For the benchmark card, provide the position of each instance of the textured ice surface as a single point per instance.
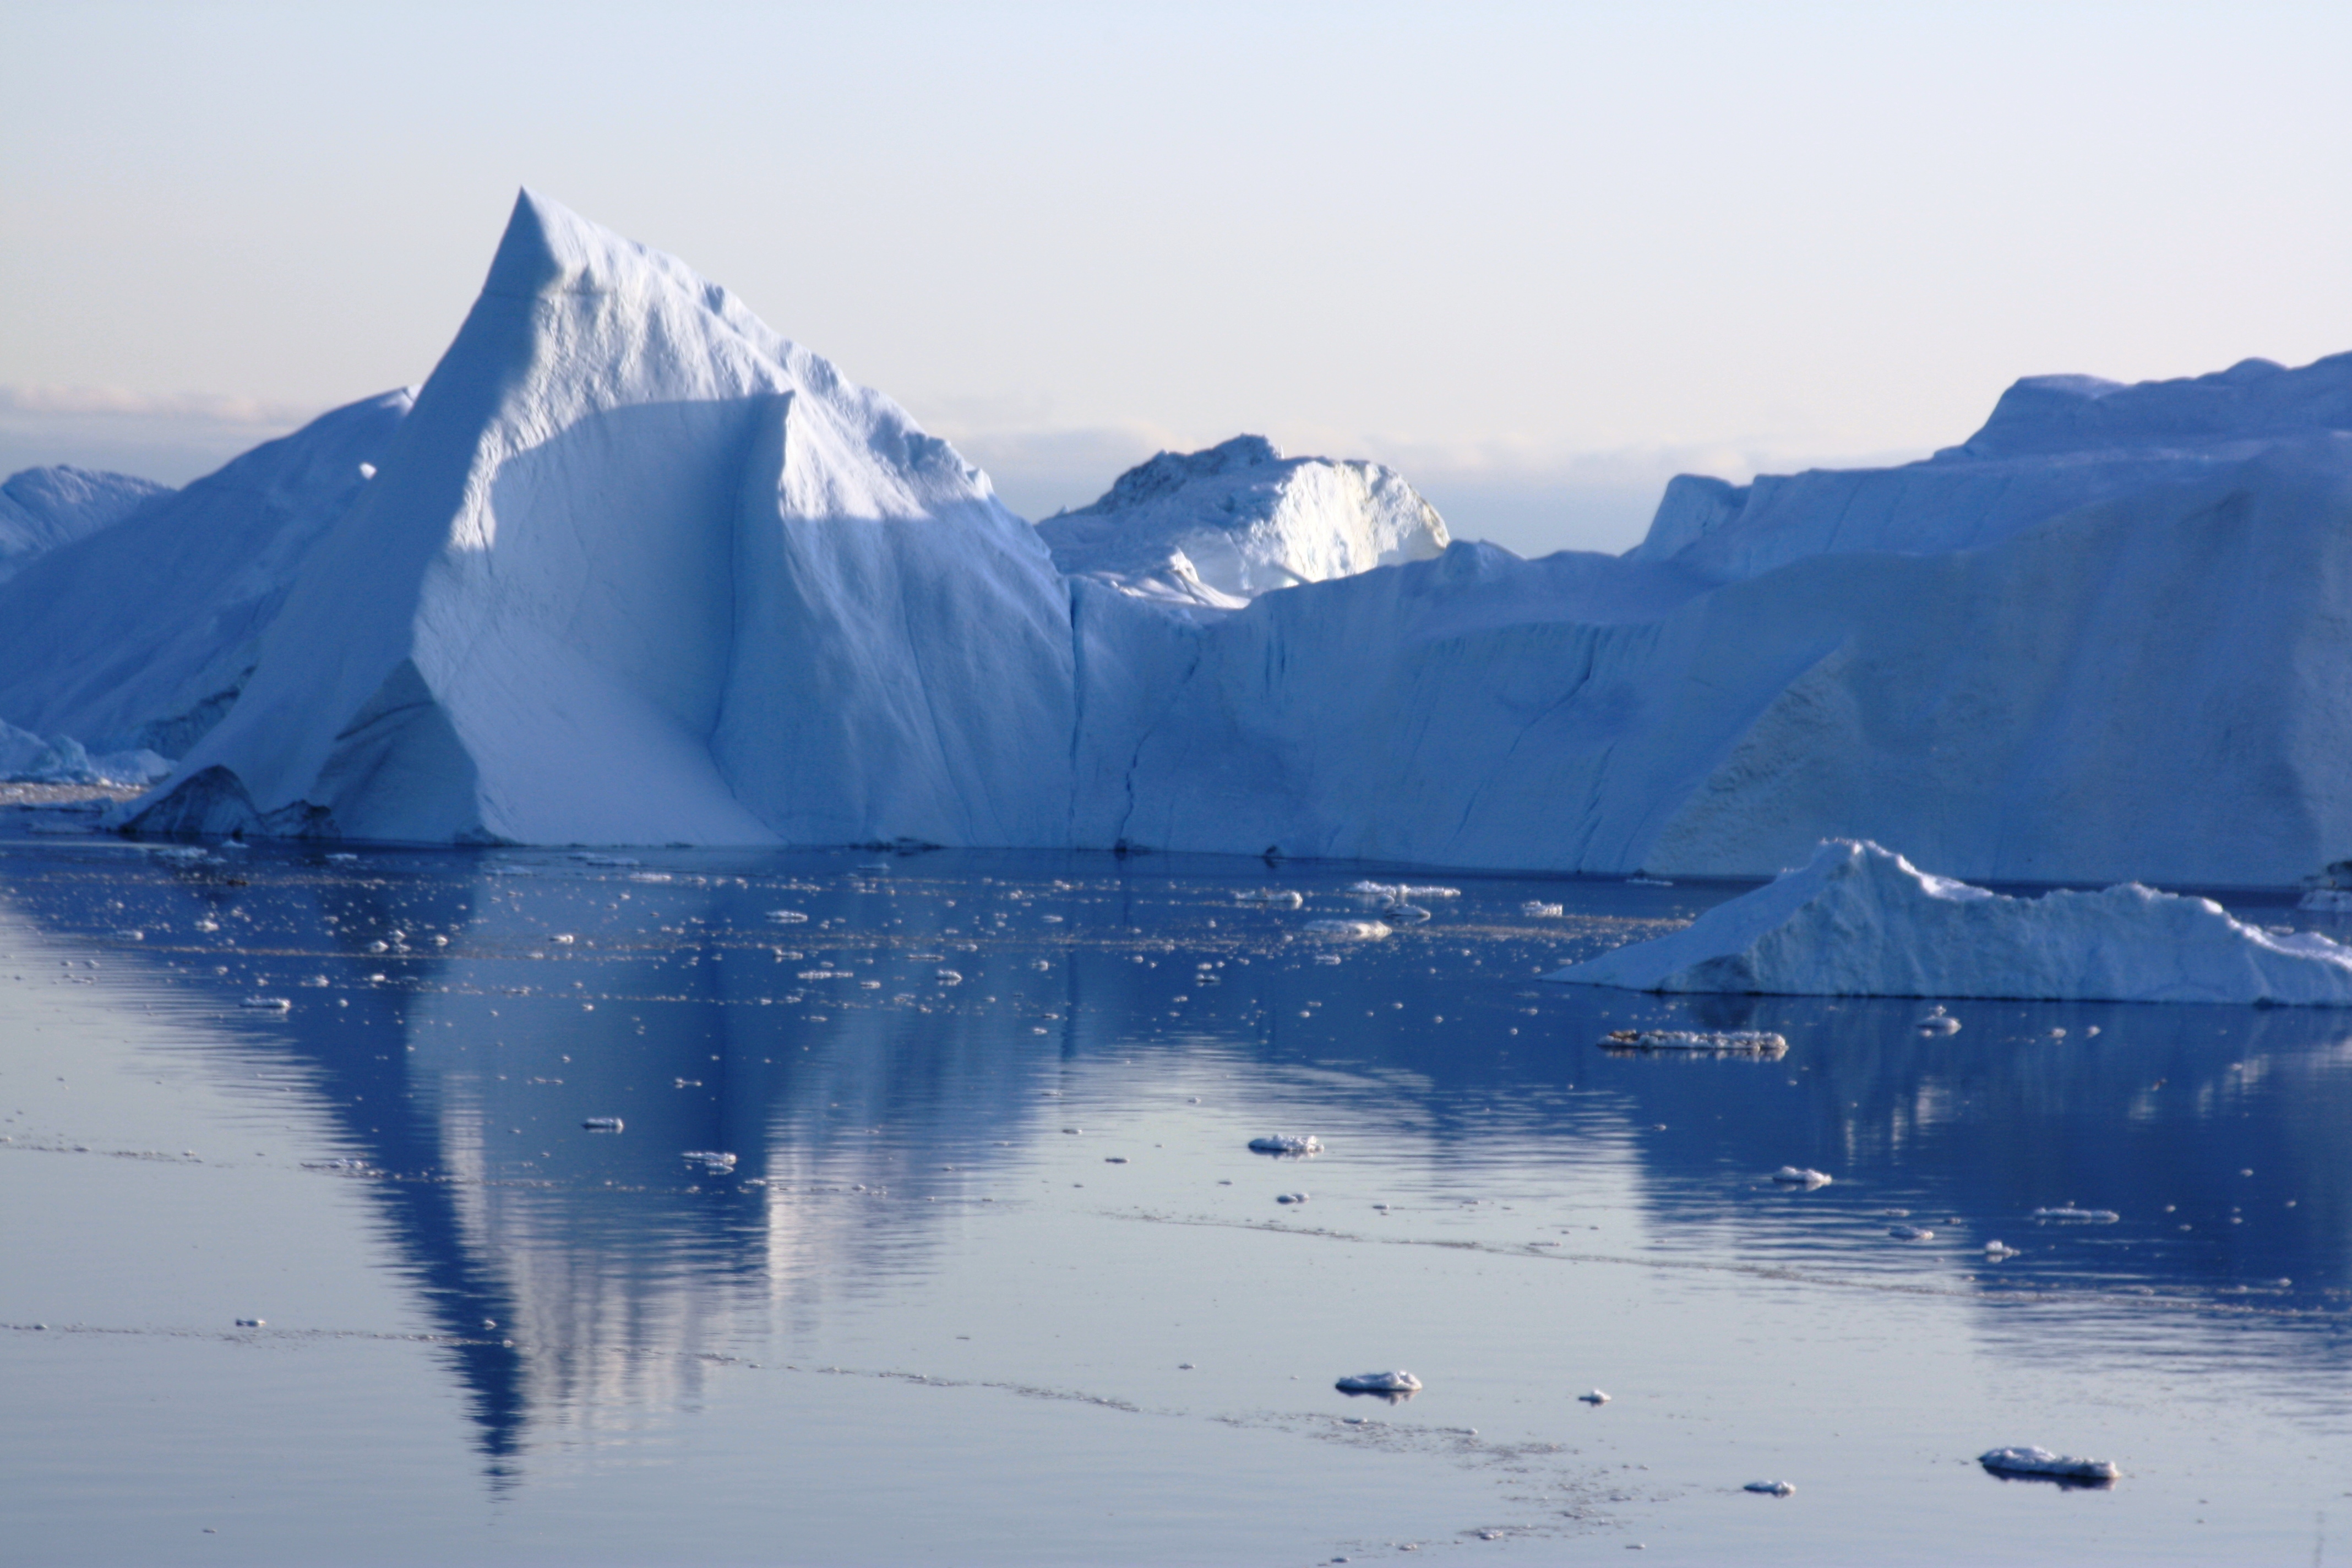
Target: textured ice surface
(1861, 921)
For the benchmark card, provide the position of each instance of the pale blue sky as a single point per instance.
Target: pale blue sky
(1536, 256)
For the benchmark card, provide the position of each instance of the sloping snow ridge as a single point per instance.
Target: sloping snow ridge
(1219, 526)
(41, 509)
(634, 570)
(142, 634)
(1862, 922)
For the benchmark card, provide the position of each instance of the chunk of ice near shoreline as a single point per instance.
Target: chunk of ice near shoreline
(1859, 920)
(629, 568)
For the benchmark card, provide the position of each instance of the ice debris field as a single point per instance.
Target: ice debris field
(630, 568)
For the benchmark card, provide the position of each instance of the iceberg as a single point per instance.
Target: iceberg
(1219, 526)
(1859, 920)
(636, 570)
(629, 568)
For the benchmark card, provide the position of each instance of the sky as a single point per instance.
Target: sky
(1538, 258)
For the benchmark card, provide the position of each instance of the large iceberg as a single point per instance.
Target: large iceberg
(634, 569)
(1219, 526)
(1859, 921)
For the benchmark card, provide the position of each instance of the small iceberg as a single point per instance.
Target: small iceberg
(1270, 898)
(1770, 1489)
(715, 1163)
(1998, 1251)
(1380, 1382)
(602, 1124)
(1285, 1143)
(1910, 1233)
(1799, 1176)
(1719, 1042)
(1937, 1022)
(267, 1003)
(1859, 920)
(2068, 1214)
(1347, 930)
(1535, 911)
(2042, 1463)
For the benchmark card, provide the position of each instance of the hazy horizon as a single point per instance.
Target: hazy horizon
(1538, 259)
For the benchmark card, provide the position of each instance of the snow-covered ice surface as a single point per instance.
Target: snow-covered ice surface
(634, 570)
(1859, 921)
(1219, 526)
(919, 1297)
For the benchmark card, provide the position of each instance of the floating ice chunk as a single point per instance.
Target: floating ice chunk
(1380, 1382)
(788, 917)
(566, 938)
(1770, 1489)
(318, 983)
(1541, 911)
(716, 1161)
(2067, 1213)
(2030, 1461)
(1801, 1176)
(1910, 1233)
(1595, 1397)
(1270, 898)
(1859, 920)
(602, 1124)
(1937, 1022)
(267, 1003)
(1285, 1143)
(1723, 1042)
(1326, 958)
(1347, 930)
(1407, 914)
(949, 977)
(1996, 1251)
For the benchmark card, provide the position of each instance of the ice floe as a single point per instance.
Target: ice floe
(1801, 1176)
(1380, 1382)
(1719, 1042)
(1347, 930)
(1861, 921)
(2035, 1462)
(1285, 1143)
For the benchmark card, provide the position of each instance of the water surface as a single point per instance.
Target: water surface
(992, 1277)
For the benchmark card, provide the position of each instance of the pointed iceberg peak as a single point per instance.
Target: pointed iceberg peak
(548, 249)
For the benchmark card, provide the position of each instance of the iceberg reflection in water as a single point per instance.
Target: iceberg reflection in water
(976, 1238)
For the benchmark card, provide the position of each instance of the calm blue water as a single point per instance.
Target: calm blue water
(992, 1277)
